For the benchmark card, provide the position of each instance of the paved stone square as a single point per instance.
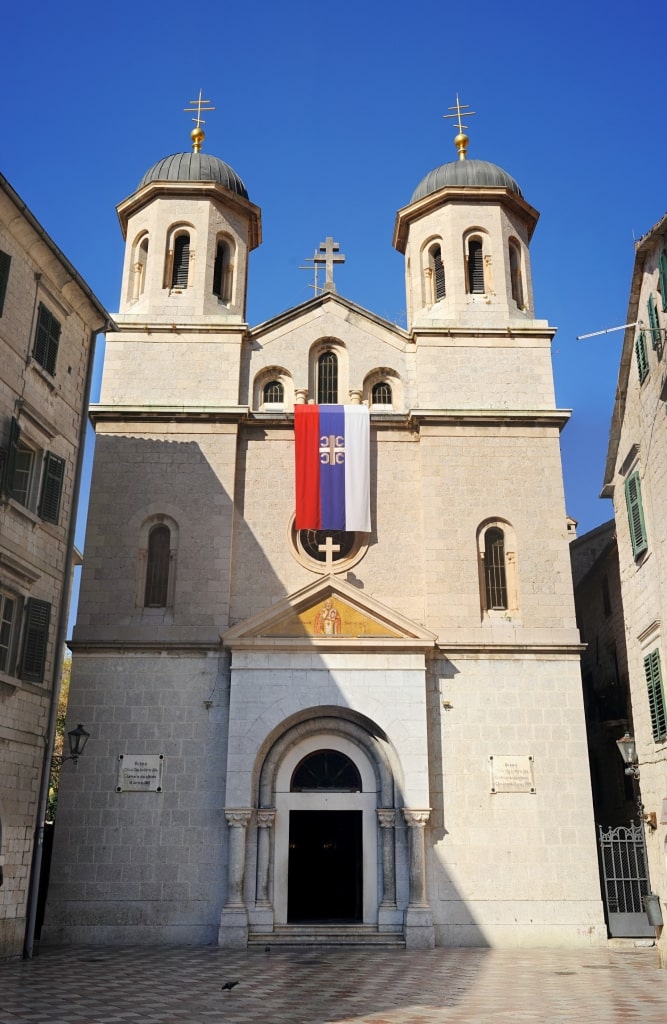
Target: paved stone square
(183, 985)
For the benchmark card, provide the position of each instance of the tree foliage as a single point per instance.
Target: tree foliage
(58, 747)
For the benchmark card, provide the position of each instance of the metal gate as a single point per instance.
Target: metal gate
(625, 880)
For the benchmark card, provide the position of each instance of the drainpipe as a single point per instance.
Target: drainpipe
(59, 647)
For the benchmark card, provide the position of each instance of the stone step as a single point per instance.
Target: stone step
(327, 935)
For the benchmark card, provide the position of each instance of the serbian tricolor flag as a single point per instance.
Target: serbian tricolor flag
(332, 444)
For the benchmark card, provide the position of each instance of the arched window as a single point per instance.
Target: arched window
(139, 268)
(381, 393)
(437, 272)
(515, 273)
(222, 272)
(326, 769)
(157, 567)
(273, 393)
(475, 267)
(495, 575)
(181, 265)
(327, 378)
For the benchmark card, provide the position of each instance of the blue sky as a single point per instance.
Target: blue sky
(332, 113)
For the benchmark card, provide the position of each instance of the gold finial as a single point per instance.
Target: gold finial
(198, 134)
(461, 140)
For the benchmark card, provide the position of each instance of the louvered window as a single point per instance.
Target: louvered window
(515, 274)
(381, 393)
(656, 695)
(438, 272)
(157, 567)
(5, 260)
(47, 339)
(35, 640)
(327, 379)
(52, 488)
(633, 497)
(641, 355)
(494, 569)
(653, 322)
(475, 267)
(662, 273)
(274, 393)
(181, 267)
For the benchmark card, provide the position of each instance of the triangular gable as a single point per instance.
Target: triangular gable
(329, 612)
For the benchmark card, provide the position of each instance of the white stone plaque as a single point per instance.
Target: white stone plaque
(512, 774)
(140, 773)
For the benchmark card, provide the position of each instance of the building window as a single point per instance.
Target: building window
(181, 261)
(52, 488)
(326, 769)
(47, 339)
(475, 267)
(662, 275)
(139, 268)
(515, 274)
(437, 268)
(22, 472)
(606, 597)
(633, 497)
(222, 272)
(35, 640)
(641, 354)
(327, 378)
(8, 622)
(653, 322)
(273, 393)
(381, 393)
(157, 567)
(5, 260)
(656, 695)
(495, 575)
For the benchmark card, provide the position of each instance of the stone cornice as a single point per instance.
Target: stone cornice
(166, 413)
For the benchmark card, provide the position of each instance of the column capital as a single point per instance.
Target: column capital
(266, 817)
(237, 817)
(416, 818)
(386, 817)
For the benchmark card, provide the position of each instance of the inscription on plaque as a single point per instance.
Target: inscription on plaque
(140, 773)
(511, 774)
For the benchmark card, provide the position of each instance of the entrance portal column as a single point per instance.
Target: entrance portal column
(234, 920)
(419, 932)
(265, 820)
(387, 822)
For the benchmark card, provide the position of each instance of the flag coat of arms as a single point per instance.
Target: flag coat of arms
(332, 448)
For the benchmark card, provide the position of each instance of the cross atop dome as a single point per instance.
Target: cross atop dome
(461, 140)
(198, 134)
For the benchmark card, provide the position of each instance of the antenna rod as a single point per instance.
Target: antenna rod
(594, 334)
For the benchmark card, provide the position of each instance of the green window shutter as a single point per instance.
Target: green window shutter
(662, 271)
(52, 488)
(653, 322)
(35, 640)
(47, 339)
(642, 357)
(656, 695)
(10, 462)
(633, 497)
(5, 260)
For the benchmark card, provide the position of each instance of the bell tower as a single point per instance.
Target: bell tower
(465, 235)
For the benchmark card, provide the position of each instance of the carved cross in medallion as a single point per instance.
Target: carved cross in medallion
(329, 549)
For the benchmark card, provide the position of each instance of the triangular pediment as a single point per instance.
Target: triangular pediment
(328, 613)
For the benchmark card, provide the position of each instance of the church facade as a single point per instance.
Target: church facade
(302, 734)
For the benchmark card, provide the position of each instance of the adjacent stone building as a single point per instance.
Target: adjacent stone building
(48, 321)
(301, 735)
(636, 479)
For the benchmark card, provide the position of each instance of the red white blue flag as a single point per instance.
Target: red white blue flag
(332, 444)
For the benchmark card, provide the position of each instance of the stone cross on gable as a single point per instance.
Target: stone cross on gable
(329, 549)
(326, 255)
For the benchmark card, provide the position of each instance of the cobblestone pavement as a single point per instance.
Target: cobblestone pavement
(183, 985)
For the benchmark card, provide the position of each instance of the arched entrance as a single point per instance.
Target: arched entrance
(325, 860)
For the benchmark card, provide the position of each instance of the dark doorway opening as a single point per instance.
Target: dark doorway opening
(325, 866)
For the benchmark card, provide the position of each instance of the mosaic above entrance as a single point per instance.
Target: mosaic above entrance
(331, 617)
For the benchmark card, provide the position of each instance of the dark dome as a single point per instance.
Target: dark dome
(465, 173)
(195, 167)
